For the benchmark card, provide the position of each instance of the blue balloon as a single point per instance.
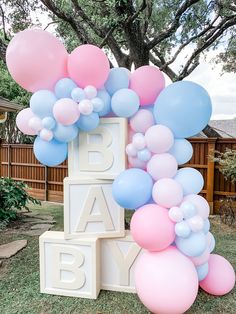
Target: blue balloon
(132, 188)
(78, 94)
(65, 133)
(206, 226)
(144, 154)
(202, 271)
(125, 103)
(118, 78)
(182, 229)
(188, 210)
(88, 123)
(48, 123)
(106, 98)
(212, 243)
(50, 153)
(190, 179)
(194, 245)
(42, 102)
(185, 107)
(182, 150)
(64, 87)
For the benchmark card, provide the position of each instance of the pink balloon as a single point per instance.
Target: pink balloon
(166, 282)
(200, 203)
(162, 166)
(65, 111)
(142, 121)
(134, 162)
(220, 279)
(202, 259)
(88, 65)
(152, 228)
(22, 121)
(159, 139)
(147, 81)
(36, 59)
(167, 193)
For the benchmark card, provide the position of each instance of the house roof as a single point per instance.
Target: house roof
(226, 128)
(8, 106)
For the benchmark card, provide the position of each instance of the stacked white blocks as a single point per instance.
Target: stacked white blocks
(94, 252)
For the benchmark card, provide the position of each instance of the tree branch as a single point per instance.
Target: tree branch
(4, 24)
(167, 70)
(3, 48)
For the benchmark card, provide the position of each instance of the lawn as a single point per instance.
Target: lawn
(19, 281)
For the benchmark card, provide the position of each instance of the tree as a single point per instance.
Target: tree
(136, 32)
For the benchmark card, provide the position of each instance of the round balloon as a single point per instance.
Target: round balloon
(36, 59)
(64, 88)
(202, 271)
(88, 65)
(105, 97)
(200, 203)
(182, 150)
(159, 139)
(220, 279)
(190, 179)
(125, 103)
(65, 111)
(88, 123)
(134, 162)
(132, 188)
(142, 121)
(166, 282)
(147, 81)
(185, 107)
(152, 228)
(201, 259)
(162, 166)
(194, 245)
(22, 121)
(51, 153)
(42, 102)
(118, 78)
(65, 133)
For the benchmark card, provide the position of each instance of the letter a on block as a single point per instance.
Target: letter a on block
(95, 196)
(96, 156)
(72, 267)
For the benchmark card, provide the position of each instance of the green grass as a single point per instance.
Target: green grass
(19, 281)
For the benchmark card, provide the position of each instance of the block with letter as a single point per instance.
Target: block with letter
(90, 210)
(118, 257)
(69, 268)
(99, 153)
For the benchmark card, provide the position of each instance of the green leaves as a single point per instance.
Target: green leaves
(227, 161)
(13, 197)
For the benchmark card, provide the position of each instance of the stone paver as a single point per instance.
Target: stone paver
(11, 248)
(41, 226)
(36, 232)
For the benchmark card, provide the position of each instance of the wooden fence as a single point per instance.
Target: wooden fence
(18, 161)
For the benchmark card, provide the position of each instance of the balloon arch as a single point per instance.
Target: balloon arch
(70, 94)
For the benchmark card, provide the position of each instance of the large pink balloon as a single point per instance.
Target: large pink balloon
(162, 166)
(152, 228)
(167, 193)
(166, 281)
(220, 279)
(22, 121)
(36, 59)
(201, 204)
(147, 81)
(88, 65)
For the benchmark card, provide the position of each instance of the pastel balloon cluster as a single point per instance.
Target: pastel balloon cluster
(171, 221)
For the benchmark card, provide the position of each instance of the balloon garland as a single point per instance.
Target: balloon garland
(70, 94)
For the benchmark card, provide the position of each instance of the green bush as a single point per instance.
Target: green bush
(13, 197)
(227, 161)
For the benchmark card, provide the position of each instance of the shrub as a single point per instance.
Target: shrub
(13, 197)
(227, 161)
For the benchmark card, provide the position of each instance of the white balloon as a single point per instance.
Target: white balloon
(139, 141)
(176, 214)
(46, 135)
(196, 223)
(85, 107)
(35, 123)
(131, 150)
(90, 91)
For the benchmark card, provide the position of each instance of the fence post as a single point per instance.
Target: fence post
(46, 183)
(9, 160)
(210, 173)
(0, 158)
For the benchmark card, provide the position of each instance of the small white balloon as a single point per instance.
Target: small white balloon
(90, 91)
(188, 209)
(98, 104)
(196, 223)
(85, 107)
(46, 135)
(131, 150)
(139, 141)
(35, 123)
(176, 214)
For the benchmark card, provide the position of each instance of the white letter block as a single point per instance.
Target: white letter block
(69, 268)
(118, 257)
(99, 153)
(90, 210)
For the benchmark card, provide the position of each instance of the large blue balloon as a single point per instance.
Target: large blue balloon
(194, 245)
(64, 87)
(190, 179)
(185, 107)
(42, 102)
(202, 271)
(182, 150)
(65, 133)
(88, 123)
(50, 153)
(125, 103)
(118, 78)
(103, 94)
(132, 188)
